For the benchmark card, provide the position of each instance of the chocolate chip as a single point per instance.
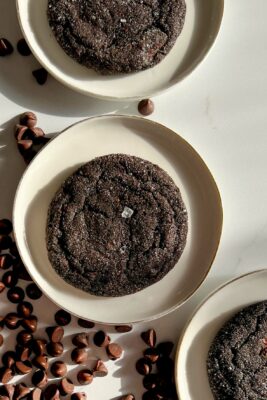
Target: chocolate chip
(6, 261)
(123, 328)
(23, 48)
(41, 362)
(23, 353)
(30, 324)
(40, 75)
(2, 287)
(1, 340)
(9, 358)
(51, 392)
(101, 339)
(151, 354)
(149, 337)
(12, 321)
(151, 381)
(127, 397)
(62, 317)
(165, 348)
(39, 346)
(5, 242)
(6, 226)
(39, 378)
(66, 387)
(33, 292)
(9, 279)
(79, 396)
(81, 340)
(85, 377)
(143, 366)
(100, 369)
(23, 367)
(6, 375)
(55, 333)
(114, 351)
(35, 394)
(24, 309)
(146, 107)
(24, 338)
(55, 349)
(79, 356)
(85, 323)
(58, 369)
(21, 390)
(6, 47)
(15, 294)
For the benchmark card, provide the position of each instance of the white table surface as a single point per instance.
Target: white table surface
(221, 109)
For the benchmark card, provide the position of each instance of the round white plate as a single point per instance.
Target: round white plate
(191, 371)
(201, 27)
(136, 136)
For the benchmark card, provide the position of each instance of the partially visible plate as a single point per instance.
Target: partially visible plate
(191, 370)
(136, 136)
(201, 27)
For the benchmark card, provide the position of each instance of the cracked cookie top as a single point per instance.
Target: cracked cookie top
(116, 226)
(237, 359)
(117, 35)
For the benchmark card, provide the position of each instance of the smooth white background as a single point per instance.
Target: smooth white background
(221, 109)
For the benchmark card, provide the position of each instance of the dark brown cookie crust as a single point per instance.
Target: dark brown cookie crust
(116, 35)
(237, 359)
(93, 246)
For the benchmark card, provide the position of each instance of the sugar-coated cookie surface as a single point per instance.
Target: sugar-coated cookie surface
(237, 359)
(116, 226)
(114, 36)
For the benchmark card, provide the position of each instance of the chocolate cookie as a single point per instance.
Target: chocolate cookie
(116, 226)
(237, 359)
(117, 35)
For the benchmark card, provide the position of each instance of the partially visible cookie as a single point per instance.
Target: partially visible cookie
(116, 35)
(116, 226)
(237, 359)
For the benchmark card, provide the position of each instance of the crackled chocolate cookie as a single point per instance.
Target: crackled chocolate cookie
(116, 226)
(117, 35)
(237, 359)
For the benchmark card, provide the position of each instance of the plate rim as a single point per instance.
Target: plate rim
(220, 209)
(152, 93)
(195, 312)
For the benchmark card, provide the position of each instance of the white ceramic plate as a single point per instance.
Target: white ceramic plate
(191, 372)
(201, 27)
(136, 136)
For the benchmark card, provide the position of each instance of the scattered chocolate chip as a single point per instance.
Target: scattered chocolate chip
(1, 340)
(62, 317)
(6, 47)
(9, 279)
(143, 366)
(39, 378)
(114, 351)
(149, 337)
(23, 48)
(30, 324)
(9, 358)
(6, 374)
(33, 292)
(2, 287)
(5, 242)
(151, 381)
(23, 353)
(79, 356)
(127, 397)
(35, 394)
(6, 226)
(85, 323)
(81, 340)
(6, 261)
(54, 349)
(41, 362)
(24, 338)
(151, 354)
(51, 392)
(15, 294)
(12, 321)
(146, 107)
(123, 328)
(100, 369)
(85, 377)
(79, 396)
(66, 387)
(58, 369)
(39, 346)
(165, 348)
(21, 390)
(24, 309)
(40, 75)
(23, 367)
(101, 339)
(55, 333)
